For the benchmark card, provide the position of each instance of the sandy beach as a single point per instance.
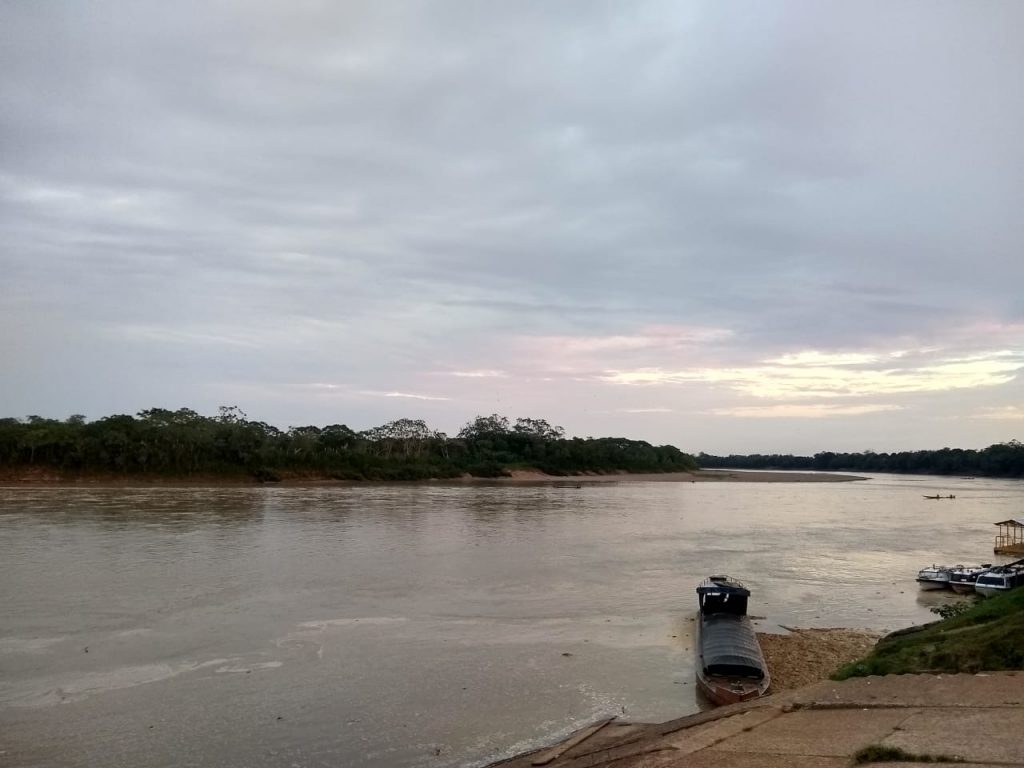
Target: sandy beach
(805, 656)
(20, 477)
(700, 476)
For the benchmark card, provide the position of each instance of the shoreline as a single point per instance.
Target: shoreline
(44, 478)
(810, 655)
(800, 663)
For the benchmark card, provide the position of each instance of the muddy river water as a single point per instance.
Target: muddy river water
(421, 625)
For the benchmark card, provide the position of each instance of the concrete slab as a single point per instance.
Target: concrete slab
(612, 735)
(714, 759)
(983, 735)
(980, 717)
(703, 736)
(982, 690)
(834, 733)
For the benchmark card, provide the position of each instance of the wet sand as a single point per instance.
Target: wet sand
(700, 476)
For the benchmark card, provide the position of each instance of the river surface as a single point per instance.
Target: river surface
(422, 625)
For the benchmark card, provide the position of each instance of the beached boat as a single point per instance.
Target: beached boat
(934, 577)
(1001, 578)
(963, 577)
(730, 664)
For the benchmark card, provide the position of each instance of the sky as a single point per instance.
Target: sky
(733, 227)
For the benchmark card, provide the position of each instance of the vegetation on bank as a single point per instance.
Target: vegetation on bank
(988, 636)
(999, 460)
(183, 443)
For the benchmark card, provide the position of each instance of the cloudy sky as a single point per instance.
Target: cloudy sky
(730, 226)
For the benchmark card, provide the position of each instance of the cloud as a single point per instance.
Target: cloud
(480, 374)
(817, 358)
(406, 395)
(802, 411)
(645, 410)
(217, 203)
(1002, 413)
(816, 380)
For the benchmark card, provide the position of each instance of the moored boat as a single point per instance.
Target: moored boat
(963, 577)
(730, 664)
(1001, 578)
(934, 577)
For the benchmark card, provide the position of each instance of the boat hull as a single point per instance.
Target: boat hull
(989, 590)
(962, 587)
(928, 584)
(727, 689)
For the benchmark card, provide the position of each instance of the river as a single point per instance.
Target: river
(421, 625)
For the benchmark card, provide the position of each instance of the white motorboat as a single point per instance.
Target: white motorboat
(1000, 579)
(963, 577)
(934, 577)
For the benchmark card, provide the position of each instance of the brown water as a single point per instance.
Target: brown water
(421, 625)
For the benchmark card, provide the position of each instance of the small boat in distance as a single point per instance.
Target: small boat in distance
(951, 496)
(935, 576)
(730, 664)
(963, 577)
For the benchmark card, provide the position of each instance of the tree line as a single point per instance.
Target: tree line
(183, 443)
(999, 460)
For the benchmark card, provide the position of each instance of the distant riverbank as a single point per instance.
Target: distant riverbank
(37, 476)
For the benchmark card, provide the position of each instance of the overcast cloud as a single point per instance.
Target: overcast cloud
(733, 227)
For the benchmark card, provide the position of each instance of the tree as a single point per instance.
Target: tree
(485, 426)
(538, 428)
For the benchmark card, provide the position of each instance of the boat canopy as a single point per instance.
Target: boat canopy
(729, 647)
(720, 594)
(1013, 522)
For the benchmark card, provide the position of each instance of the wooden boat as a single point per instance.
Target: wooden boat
(730, 664)
(951, 496)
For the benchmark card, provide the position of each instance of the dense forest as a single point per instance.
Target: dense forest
(1000, 460)
(183, 443)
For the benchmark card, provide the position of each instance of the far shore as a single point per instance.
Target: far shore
(699, 476)
(38, 477)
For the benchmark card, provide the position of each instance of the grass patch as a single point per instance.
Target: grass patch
(877, 753)
(987, 637)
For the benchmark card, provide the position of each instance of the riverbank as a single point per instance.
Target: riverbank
(918, 712)
(914, 718)
(20, 477)
(805, 656)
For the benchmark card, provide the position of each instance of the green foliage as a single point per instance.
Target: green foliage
(184, 443)
(986, 636)
(879, 753)
(999, 460)
(951, 610)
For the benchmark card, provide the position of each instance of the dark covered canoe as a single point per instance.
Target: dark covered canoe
(730, 664)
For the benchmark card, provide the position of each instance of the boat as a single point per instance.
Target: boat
(730, 664)
(963, 577)
(951, 496)
(934, 576)
(1001, 578)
